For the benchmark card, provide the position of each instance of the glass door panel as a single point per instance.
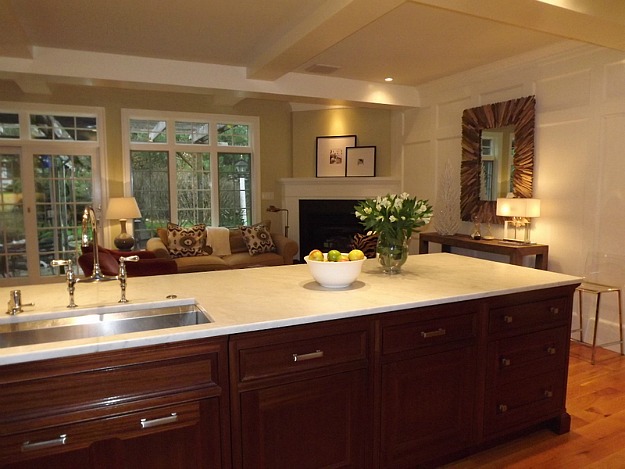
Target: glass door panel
(13, 262)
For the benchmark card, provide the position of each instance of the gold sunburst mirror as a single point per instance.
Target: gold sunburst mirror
(497, 156)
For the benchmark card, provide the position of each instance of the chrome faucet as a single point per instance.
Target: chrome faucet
(89, 216)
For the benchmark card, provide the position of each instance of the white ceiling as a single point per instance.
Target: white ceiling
(367, 40)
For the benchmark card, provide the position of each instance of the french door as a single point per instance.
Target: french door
(42, 197)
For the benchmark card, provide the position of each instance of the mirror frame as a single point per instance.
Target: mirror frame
(518, 112)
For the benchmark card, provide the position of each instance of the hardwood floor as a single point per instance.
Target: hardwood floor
(596, 403)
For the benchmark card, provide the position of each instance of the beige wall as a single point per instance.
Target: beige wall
(371, 127)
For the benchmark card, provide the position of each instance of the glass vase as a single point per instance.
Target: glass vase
(392, 251)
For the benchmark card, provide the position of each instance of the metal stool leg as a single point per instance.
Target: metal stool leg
(620, 318)
(581, 327)
(594, 333)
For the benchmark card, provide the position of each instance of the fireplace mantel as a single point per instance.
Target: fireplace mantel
(295, 189)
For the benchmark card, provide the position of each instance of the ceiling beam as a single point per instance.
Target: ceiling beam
(330, 24)
(583, 20)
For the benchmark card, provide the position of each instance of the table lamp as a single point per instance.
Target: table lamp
(122, 208)
(273, 208)
(520, 211)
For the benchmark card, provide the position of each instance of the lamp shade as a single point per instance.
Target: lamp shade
(120, 208)
(523, 208)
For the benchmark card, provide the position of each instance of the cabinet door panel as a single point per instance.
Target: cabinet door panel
(315, 423)
(427, 407)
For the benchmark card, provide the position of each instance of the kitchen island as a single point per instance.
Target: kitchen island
(450, 356)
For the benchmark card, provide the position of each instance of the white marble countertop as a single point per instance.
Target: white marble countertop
(270, 297)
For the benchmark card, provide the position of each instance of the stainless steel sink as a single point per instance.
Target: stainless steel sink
(100, 325)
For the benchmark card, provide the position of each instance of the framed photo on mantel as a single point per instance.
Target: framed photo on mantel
(360, 161)
(332, 155)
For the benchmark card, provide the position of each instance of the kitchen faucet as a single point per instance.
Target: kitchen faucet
(89, 216)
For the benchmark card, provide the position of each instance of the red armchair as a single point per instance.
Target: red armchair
(148, 263)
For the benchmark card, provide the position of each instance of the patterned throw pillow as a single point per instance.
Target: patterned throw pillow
(366, 243)
(257, 239)
(186, 242)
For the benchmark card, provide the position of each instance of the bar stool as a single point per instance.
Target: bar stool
(604, 273)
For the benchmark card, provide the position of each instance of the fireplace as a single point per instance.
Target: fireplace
(327, 224)
(328, 191)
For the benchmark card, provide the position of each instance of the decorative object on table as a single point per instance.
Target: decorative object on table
(394, 218)
(123, 208)
(446, 220)
(334, 274)
(360, 161)
(273, 208)
(519, 213)
(488, 234)
(331, 155)
(476, 233)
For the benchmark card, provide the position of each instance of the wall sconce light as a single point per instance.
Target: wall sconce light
(122, 208)
(520, 212)
(273, 208)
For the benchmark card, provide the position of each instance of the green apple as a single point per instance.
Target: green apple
(334, 256)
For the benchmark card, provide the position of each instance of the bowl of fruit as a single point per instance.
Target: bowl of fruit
(335, 269)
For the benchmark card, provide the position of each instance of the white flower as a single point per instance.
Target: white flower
(392, 218)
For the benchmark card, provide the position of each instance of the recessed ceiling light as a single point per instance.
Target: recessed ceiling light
(389, 79)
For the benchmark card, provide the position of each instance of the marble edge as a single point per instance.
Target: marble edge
(27, 353)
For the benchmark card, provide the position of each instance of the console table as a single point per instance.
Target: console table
(515, 251)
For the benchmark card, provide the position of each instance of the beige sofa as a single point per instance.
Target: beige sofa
(240, 258)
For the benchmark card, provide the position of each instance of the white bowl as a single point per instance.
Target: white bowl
(334, 274)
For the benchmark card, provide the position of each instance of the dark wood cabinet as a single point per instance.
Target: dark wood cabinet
(404, 389)
(157, 407)
(428, 384)
(527, 362)
(301, 396)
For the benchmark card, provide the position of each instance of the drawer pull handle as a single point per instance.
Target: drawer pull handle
(437, 333)
(145, 423)
(551, 350)
(307, 356)
(547, 393)
(505, 362)
(502, 408)
(553, 310)
(507, 319)
(60, 441)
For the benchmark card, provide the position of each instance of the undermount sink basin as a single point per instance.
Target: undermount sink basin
(101, 325)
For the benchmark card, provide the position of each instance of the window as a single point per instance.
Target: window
(49, 172)
(191, 169)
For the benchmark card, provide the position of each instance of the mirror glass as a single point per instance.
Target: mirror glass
(497, 156)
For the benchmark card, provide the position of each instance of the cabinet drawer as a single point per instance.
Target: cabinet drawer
(522, 356)
(67, 438)
(524, 401)
(285, 352)
(57, 388)
(546, 313)
(434, 331)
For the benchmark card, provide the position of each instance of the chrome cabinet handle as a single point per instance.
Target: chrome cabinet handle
(307, 356)
(60, 441)
(145, 423)
(437, 333)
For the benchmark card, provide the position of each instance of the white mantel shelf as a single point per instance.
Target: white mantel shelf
(332, 188)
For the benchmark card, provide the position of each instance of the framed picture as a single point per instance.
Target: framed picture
(331, 155)
(360, 161)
